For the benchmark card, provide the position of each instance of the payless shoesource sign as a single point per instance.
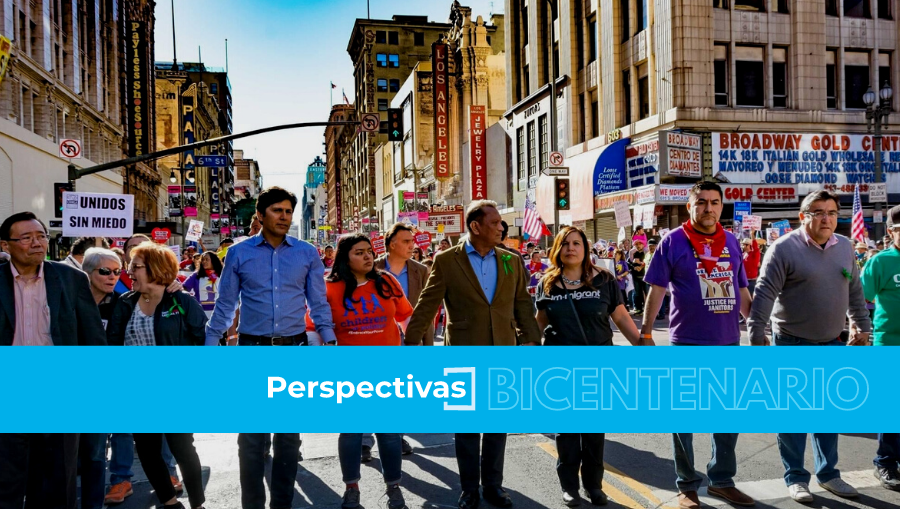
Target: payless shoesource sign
(836, 162)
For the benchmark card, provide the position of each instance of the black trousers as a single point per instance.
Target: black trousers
(37, 470)
(486, 465)
(584, 451)
(640, 292)
(252, 453)
(149, 450)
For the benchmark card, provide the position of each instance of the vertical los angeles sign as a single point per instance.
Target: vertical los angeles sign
(478, 151)
(136, 64)
(441, 118)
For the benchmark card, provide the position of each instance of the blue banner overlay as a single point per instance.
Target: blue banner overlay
(449, 389)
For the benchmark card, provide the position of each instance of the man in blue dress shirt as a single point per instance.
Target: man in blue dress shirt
(274, 277)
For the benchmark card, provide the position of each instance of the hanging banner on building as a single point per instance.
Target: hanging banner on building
(439, 62)
(214, 223)
(174, 201)
(187, 129)
(642, 163)
(97, 215)
(478, 151)
(226, 228)
(138, 72)
(190, 201)
(680, 154)
(407, 201)
(836, 162)
(339, 216)
(5, 49)
(674, 193)
(609, 171)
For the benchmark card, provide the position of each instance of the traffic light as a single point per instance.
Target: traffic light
(395, 124)
(562, 194)
(58, 190)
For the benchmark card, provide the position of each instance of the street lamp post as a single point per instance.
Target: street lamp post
(877, 117)
(554, 129)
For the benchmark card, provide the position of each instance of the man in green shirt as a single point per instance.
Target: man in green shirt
(881, 285)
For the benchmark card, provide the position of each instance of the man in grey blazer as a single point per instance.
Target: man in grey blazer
(43, 303)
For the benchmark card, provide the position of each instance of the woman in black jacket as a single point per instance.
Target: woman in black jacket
(148, 315)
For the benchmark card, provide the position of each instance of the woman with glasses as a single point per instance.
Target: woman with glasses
(103, 268)
(575, 302)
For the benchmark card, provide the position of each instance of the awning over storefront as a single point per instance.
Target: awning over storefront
(590, 174)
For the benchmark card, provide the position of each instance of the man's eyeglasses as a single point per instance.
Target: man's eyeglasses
(104, 271)
(25, 241)
(821, 214)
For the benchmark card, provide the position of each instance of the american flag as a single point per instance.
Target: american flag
(533, 226)
(858, 229)
(345, 97)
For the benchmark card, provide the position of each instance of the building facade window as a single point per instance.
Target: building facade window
(720, 68)
(382, 105)
(381, 59)
(380, 37)
(779, 78)
(594, 50)
(857, 9)
(419, 39)
(595, 115)
(831, 79)
(394, 60)
(642, 15)
(885, 77)
(579, 36)
(626, 95)
(643, 94)
(526, 81)
(884, 9)
(382, 85)
(749, 5)
(582, 118)
(393, 38)
(856, 78)
(720, 4)
(544, 137)
(749, 76)
(625, 8)
(521, 149)
(532, 151)
(783, 7)
(831, 7)
(395, 85)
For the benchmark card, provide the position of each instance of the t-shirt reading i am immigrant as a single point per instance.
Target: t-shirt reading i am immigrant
(593, 308)
(705, 308)
(371, 320)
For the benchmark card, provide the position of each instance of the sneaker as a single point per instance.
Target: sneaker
(571, 498)
(840, 488)
(406, 448)
(179, 487)
(800, 492)
(118, 492)
(395, 497)
(350, 500)
(890, 479)
(366, 454)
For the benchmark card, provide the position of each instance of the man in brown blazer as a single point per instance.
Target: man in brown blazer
(484, 290)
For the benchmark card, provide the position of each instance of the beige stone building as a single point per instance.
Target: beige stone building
(638, 70)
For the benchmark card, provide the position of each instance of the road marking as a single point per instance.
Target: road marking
(772, 489)
(615, 494)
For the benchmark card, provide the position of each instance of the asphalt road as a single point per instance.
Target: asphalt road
(639, 473)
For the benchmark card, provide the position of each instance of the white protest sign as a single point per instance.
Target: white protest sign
(195, 230)
(98, 215)
(623, 216)
(177, 250)
(752, 222)
(648, 216)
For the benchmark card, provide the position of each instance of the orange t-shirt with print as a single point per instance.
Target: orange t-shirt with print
(371, 320)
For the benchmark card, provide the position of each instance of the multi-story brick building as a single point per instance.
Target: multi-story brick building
(632, 71)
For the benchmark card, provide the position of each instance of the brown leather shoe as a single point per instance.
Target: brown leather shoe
(731, 495)
(688, 500)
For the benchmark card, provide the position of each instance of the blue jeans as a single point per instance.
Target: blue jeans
(122, 458)
(720, 470)
(389, 450)
(92, 455)
(888, 455)
(792, 446)
(782, 339)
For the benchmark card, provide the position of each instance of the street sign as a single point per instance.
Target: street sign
(878, 193)
(558, 171)
(70, 149)
(209, 161)
(369, 122)
(556, 158)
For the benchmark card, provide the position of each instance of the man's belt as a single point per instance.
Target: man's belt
(297, 339)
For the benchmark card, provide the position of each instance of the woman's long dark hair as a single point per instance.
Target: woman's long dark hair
(556, 265)
(213, 260)
(341, 270)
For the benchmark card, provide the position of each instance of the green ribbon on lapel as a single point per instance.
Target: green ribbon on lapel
(176, 305)
(846, 273)
(506, 258)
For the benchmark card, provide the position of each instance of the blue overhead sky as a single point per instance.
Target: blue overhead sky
(282, 54)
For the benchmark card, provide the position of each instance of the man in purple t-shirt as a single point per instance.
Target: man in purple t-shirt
(702, 264)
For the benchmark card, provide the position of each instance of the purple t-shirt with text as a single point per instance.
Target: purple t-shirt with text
(705, 309)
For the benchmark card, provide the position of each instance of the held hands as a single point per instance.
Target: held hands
(858, 338)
